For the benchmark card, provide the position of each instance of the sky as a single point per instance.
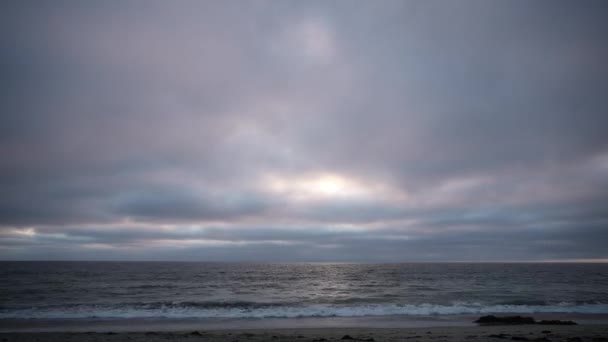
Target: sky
(342, 130)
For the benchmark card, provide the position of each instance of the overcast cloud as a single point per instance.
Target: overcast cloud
(304, 130)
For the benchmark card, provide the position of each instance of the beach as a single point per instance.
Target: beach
(538, 333)
(590, 328)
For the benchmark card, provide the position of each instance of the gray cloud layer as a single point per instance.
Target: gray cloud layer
(344, 130)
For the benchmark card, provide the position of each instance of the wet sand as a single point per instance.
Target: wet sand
(535, 333)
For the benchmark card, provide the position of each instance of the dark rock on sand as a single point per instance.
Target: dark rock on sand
(556, 322)
(347, 337)
(519, 338)
(196, 333)
(546, 331)
(491, 319)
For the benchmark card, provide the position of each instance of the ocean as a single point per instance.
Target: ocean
(199, 290)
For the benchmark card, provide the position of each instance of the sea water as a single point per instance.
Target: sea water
(199, 290)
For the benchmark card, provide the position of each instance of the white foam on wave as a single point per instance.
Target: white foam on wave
(176, 311)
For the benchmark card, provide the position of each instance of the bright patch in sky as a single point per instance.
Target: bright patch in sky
(329, 186)
(317, 186)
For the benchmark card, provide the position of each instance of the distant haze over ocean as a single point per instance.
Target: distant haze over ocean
(172, 290)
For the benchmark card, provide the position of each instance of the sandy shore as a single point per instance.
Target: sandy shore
(537, 333)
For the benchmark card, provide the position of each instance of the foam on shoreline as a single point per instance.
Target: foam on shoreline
(256, 310)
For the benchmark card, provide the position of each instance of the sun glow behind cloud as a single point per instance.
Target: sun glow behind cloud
(317, 186)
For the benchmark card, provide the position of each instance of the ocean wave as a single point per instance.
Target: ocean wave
(272, 310)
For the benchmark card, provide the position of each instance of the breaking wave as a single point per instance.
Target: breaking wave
(270, 310)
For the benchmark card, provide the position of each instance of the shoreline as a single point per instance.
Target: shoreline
(534, 333)
(219, 324)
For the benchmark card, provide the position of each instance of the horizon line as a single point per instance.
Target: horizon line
(550, 261)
